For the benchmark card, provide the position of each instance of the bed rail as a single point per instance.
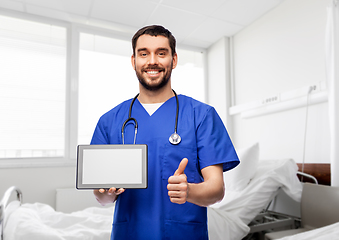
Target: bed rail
(302, 174)
(4, 202)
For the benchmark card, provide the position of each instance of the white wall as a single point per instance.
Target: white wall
(282, 51)
(38, 184)
(218, 84)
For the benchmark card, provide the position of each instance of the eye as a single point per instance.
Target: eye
(143, 54)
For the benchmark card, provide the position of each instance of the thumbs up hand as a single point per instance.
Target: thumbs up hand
(177, 184)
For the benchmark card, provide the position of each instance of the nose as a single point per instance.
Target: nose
(153, 60)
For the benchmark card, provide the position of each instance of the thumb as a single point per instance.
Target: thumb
(181, 167)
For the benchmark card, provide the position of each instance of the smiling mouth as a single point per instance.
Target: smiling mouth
(153, 72)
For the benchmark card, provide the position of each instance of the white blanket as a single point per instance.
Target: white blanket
(224, 225)
(40, 222)
(238, 208)
(270, 176)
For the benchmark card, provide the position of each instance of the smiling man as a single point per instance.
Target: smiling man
(184, 177)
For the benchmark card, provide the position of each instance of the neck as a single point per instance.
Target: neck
(159, 96)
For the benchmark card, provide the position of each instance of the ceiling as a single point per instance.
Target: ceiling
(195, 23)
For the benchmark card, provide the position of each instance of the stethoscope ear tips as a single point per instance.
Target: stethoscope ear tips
(175, 139)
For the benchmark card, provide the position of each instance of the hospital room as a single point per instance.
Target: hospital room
(269, 68)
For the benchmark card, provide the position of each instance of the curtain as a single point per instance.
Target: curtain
(332, 65)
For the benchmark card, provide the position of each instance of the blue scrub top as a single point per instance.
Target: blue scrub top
(149, 213)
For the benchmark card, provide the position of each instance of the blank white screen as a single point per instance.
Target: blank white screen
(112, 166)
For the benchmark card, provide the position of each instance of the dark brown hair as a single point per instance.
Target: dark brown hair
(154, 30)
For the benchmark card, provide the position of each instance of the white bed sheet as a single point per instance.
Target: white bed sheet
(224, 225)
(41, 222)
(324, 233)
(240, 207)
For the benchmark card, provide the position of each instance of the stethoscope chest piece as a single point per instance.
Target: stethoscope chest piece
(175, 139)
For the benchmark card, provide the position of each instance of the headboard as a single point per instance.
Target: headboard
(70, 200)
(321, 171)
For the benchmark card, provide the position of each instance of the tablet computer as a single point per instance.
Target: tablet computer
(111, 165)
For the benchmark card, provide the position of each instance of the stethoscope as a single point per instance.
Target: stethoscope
(174, 138)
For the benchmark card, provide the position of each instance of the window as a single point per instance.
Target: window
(32, 89)
(188, 77)
(48, 106)
(106, 78)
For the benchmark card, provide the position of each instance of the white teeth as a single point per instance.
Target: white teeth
(153, 72)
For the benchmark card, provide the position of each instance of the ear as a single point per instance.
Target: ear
(175, 60)
(133, 61)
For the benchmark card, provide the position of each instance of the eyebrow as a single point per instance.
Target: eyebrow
(159, 49)
(142, 49)
(163, 49)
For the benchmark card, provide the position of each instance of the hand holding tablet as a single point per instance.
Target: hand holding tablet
(107, 196)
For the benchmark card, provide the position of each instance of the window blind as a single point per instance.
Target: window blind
(32, 89)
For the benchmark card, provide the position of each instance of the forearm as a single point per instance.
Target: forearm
(205, 193)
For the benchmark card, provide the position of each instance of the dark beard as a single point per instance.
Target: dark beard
(160, 85)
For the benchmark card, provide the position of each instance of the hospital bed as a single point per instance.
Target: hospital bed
(319, 209)
(249, 190)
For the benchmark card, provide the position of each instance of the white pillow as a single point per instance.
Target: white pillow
(238, 178)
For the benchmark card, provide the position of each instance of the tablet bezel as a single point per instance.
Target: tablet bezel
(79, 167)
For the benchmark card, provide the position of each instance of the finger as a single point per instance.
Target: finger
(116, 191)
(176, 197)
(178, 200)
(176, 194)
(177, 179)
(181, 167)
(119, 191)
(112, 190)
(177, 187)
(102, 190)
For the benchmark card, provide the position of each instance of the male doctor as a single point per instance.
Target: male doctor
(182, 179)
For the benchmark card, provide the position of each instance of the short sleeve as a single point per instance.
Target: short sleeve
(214, 143)
(100, 135)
